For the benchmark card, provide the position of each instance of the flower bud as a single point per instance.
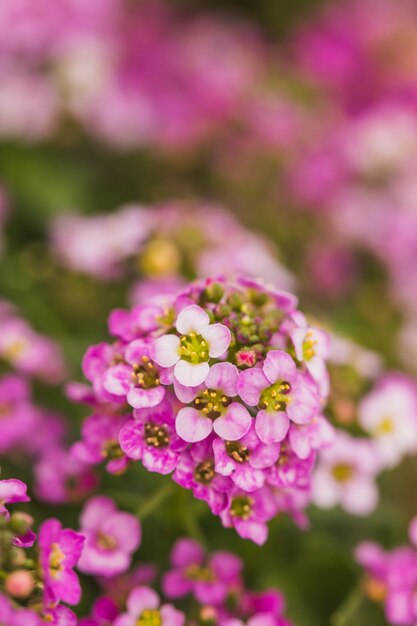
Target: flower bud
(19, 584)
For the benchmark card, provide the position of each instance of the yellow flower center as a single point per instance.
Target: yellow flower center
(56, 559)
(150, 617)
(342, 472)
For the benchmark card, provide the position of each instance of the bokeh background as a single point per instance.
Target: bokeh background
(297, 118)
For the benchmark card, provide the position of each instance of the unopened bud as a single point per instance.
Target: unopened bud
(19, 584)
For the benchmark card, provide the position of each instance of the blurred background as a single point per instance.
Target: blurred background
(145, 143)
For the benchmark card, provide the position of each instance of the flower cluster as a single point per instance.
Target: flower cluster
(391, 578)
(166, 244)
(209, 588)
(35, 584)
(223, 386)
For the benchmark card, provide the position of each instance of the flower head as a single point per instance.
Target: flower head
(111, 537)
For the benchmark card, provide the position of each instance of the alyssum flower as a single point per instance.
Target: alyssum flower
(219, 390)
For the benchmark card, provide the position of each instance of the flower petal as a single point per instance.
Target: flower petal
(145, 398)
(250, 385)
(140, 599)
(223, 376)
(192, 319)
(218, 337)
(192, 426)
(271, 427)
(191, 374)
(234, 424)
(118, 379)
(278, 365)
(165, 350)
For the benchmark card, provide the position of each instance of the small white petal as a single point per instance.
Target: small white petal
(191, 374)
(165, 350)
(192, 319)
(218, 337)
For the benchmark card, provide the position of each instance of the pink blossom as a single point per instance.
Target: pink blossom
(197, 343)
(208, 579)
(151, 437)
(346, 475)
(60, 550)
(211, 407)
(111, 537)
(144, 603)
(280, 393)
(389, 414)
(246, 461)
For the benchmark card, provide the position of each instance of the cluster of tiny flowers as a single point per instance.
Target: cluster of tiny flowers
(165, 244)
(27, 351)
(37, 573)
(376, 418)
(223, 386)
(208, 587)
(391, 578)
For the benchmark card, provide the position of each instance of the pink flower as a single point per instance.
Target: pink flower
(392, 578)
(143, 606)
(280, 393)
(212, 407)
(249, 512)
(137, 379)
(197, 343)
(195, 470)
(389, 414)
(151, 437)
(346, 475)
(30, 352)
(60, 550)
(11, 615)
(111, 537)
(245, 460)
(12, 490)
(100, 442)
(61, 477)
(209, 579)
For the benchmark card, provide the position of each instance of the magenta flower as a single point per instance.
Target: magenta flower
(210, 580)
(29, 352)
(392, 579)
(138, 379)
(143, 607)
(60, 549)
(11, 615)
(103, 613)
(195, 470)
(100, 442)
(197, 343)
(212, 407)
(245, 460)
(248, 513)
(111, 537)
(12, 490)
(61, 477)
(151, 437)
(280, 393)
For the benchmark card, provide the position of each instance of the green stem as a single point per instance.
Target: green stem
(154, 501)
(349, 608)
